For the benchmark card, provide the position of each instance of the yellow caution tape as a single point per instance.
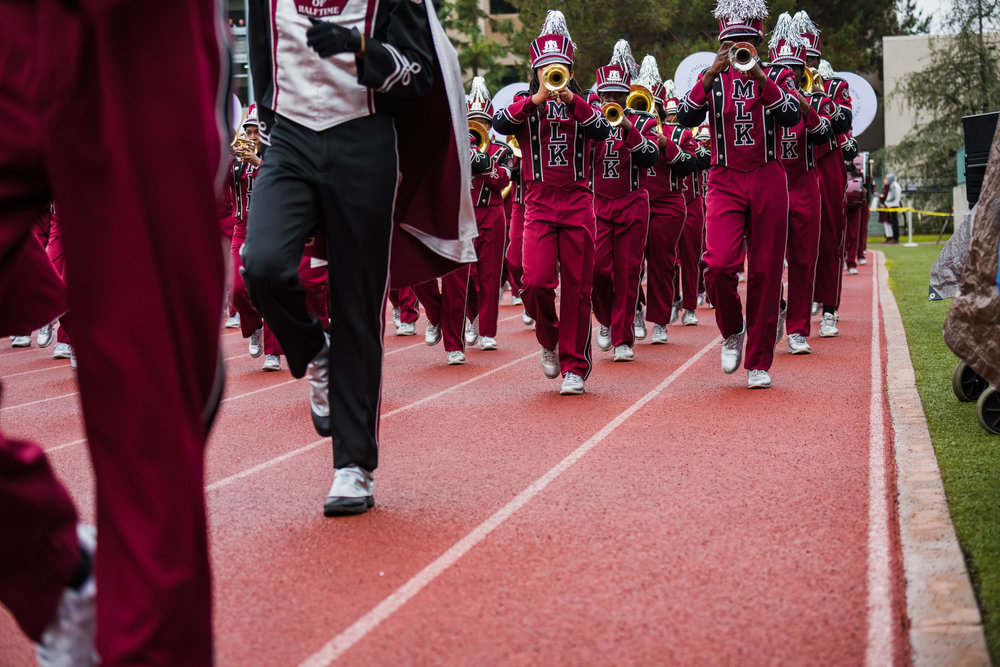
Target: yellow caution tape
(904, 210)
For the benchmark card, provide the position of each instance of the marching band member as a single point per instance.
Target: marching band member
(833, 182)
(404, 311)
(797, 154)
(515, 243)
(487, 194)
(856, 201)
(556, 128)
(621, 204)
(329, 105)
(668, 210)
(747, 189)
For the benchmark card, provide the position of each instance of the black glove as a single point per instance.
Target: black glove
(329, 39)
(481, 162)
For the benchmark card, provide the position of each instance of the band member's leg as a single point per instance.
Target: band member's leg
(727, 207)
(430, 297)
(490, 251)
(690, 254)
(630, 248)
(803, 247)
(665, 226)
(576, 281)
(604, 285)
(541, 255)
(455, 287)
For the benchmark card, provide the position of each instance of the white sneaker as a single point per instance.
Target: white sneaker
(318, 372)
(456, 358)
(624, 353)
(639, 325)
(46, 335)
(68, 641)
(828, 326)
(233, 322)
(675, 314)
(659, 335)
(352, 492)
(433, 334)
(61, 351)
(527, 319)
(516, 301)
(550, 363)
(852, 270)
(256, 347)
(817, 307)
(862, 261)
(20, 341)
(272, 362)
(690, 318)
(396, 314)
(603, 338)
(472, 331)
(758, 379)
(732, 351)
(701, 299)
(487, 343)
(780, 331)
(406, 329)
(741, 277)
(572, 385)
(797, 344)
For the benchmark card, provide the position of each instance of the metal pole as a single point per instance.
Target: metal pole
(909, 230)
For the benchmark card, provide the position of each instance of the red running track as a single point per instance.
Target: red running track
(668, 516)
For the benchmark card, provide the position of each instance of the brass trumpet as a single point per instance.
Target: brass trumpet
(555, 77)
(640, 99)
(515, 147)
(614, 113)
(241, 145)
(481, 134)
(743, 56)
(817, 80)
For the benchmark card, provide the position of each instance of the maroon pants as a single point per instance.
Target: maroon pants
(622, 226)
(666, 222)
(484, 276)
(852, 242)
(127, 241)
(833, 230)
(803, 247)
(689, 251)
(559, 231)
(747, 218)
(515, 248)
(406, 301)
(446, 307)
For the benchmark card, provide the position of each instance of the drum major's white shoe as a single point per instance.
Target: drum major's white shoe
(352, 492)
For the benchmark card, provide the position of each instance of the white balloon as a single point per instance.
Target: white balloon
(687, 72)
(864, 101)
(504, 97)
(236, 111)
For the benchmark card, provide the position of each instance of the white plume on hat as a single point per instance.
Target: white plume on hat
(479, 90)
(623, 57)
(649, 73)
(826, 70)
(804, 24)
(787, 29)
(555, 24)
(741, 9)
(669, 89)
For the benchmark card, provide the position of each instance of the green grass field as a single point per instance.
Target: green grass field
(968, 456)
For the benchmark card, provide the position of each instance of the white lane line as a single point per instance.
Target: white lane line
(284, 457)
(63, 446)
(880, 622)
(337, 646)
(37, 370)
(257, 391)
(41, 400)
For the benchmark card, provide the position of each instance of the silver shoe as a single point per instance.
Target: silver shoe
(527, 319)
(406, 329)
(732, 351)
(68, 641)
(272, 362)
(828, 326)
(758, 379)
(675, 314)
(690, 318)
(20, 341)
(862, 261)
(233, 322)
(396, 315)
(352, 492)
(46, 335)
(318, 372)
(572, 385)
(516, 301)
(433, 334)
(487, 343)
(639, 325)
(624, 353)
(61, 351)
(797, 344)
(659, 336)
(817, 307)
(550, 363)
(472, 331)
(782, 316)
(456, 358)
(256, 347)
(853, 270)
(603, 338)
(701, 299)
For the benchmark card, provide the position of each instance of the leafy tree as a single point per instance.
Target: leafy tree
(478, 54)
(961, 78)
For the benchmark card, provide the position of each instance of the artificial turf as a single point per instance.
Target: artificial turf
(968, 456)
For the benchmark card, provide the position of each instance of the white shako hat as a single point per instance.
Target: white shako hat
(788, 46)
(480, 104)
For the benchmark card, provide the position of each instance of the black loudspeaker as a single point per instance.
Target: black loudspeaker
(979, 132)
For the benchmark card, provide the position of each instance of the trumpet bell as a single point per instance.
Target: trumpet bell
(817, 80)
(808, 83)
(480, 133)
(640, 99)
(613, 112)
(515, 147)
(743, 56)
(555, 77)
